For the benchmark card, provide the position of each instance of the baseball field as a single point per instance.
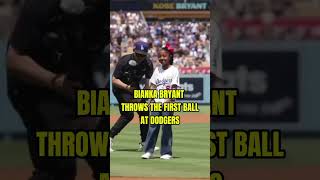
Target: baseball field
(190, 148)
(191, 157)
(190, 151)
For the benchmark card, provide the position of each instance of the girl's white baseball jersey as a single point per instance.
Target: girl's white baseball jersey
(164, 79)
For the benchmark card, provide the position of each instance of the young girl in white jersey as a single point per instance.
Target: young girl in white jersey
(164, 77)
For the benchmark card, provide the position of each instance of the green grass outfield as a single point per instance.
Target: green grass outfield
(300, 153)
(190, 149)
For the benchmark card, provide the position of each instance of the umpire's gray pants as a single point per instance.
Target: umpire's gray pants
(166, 138)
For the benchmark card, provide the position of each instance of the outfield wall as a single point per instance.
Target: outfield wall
(196, 86)
(299, 79)
(308, 90)
(10, 122)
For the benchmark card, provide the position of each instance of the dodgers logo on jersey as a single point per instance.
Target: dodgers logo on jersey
(163, 81)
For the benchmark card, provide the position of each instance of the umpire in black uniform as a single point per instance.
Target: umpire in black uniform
(56, 47)
(127, 76)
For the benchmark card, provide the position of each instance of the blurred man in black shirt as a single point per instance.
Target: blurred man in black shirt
(56, 47)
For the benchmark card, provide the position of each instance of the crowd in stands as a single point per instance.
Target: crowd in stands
(124, 29)
(250, 9)
(270, 19)
(190, 40)
(240, 20)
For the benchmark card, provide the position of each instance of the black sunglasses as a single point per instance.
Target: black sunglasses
(140, 55)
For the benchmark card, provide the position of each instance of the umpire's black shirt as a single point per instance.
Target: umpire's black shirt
(130, 72)
(60, 42)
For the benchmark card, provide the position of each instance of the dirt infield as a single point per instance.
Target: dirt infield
(140, 178)
(253, 173)
(272, 173)
(184, 118)
(83, 174)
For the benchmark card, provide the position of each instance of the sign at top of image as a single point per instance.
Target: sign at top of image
(180, 6)
(192, 6)
(163, 6)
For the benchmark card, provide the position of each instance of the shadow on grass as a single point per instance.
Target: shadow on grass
(158, 157)
(128, 150)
